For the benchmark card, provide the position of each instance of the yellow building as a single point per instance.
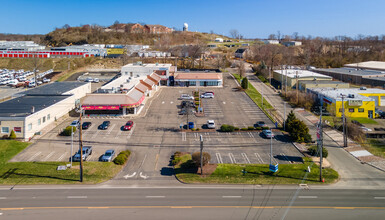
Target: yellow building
(357, 103)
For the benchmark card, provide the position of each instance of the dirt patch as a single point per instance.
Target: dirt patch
(208, 169)
(325, 162)
(354, 148)
(370, 159)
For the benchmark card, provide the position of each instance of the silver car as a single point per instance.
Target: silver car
(108, 155)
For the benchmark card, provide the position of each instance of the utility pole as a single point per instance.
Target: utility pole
(281, 78)
(296, 76)
(343, 121)
(271, 147)
(320, 144)
(286, 82)
(72, 142)
(81, 144)
(270, 75)
(284, 116)
(201, 138)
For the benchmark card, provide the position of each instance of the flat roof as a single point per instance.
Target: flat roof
(22, 106)
(353, 71)
(55, 88)
(301, 74)
(336, 93)
(148, 65)
(197, 76)
(375, 65)
(320, 82)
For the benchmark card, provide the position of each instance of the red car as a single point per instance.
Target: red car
(128, 126)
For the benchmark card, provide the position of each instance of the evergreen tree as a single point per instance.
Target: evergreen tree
(245, 83)
(298, 130)
(290, 117)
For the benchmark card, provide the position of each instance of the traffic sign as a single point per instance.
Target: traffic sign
(273, 168)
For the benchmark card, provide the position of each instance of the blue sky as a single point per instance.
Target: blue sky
(252, 18)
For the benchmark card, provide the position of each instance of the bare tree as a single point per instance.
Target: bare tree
(234, 33)
(35, 65)
(241, 69)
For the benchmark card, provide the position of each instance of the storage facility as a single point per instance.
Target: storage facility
(289, 76)
(355, 76)
(308, 84)
(37, 108)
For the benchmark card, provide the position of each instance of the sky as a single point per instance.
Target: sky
(252, 18)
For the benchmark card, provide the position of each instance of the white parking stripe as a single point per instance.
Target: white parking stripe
(208, 136)
(34, 156)
(259, 158)
(219, 158)
(307, 197)
(273, 159)
(3, 197)
(231, 196)
(155, 196)
(250, 134)
(379, 197)
(184, 136)
(89, 158)
(286, 158)
(96, 134)
(131, 131)
(61, 157)
(112, 127)
(118, 134)
(232, 158)
(76, 197)
(245, 157)
(48, 156)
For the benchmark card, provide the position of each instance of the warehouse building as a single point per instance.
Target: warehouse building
(357, 102)
(369, 65)
(289, 77)
(139, 69)
(35, 109)
(355, 76)
(308, 84)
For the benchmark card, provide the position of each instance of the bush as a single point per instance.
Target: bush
(259, 128)
(197, 129)
(193, 129)
(250, 128)
(196, 99)
(236, 129)
(196, 158)
(227, 128)
(245, 83)
(122, 157)
(313, 150)
(176, 160)
(196, 103)
(307, 138)
(265, 128)
(67, 130)
(12, 135)
(5, 136)
(263, 79)
(243, 129)
(298, 131)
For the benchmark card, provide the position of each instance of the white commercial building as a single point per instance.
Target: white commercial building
(134, 70)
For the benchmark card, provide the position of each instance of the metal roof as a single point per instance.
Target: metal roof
(320, 82)
(301, 74)
(377, 65)
(336, 93)
(56, 88)
(352, 71)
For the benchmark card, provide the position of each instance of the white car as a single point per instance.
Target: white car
(45, 80)
(75, 123)
(186, 96)
(96, 80)
(211, 124)
(207, 96)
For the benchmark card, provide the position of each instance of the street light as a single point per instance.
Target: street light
(344, 120)
(201, 138)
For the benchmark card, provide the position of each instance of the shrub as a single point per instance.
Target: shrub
(250, 128)
(313, 150)
(5, 136)
(196, 103)
(227, 128)
(197, 129)
(122, 157)
(307, 138)
(193, 129)
(258, 128)
(243, 129)
(12, 135)
(67, 130)
(196, 158)
(236, 129)
(298, 130)
(265, 128)
(176, 160)
(245, 83)
(197, 99)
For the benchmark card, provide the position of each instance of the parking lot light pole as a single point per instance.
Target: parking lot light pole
(72, 142)
(271, 147)
(284, 116)
(81, 144)
(201, 138)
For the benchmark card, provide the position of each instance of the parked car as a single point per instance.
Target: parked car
(209, 92)
(75, 123)
(207, 96)
(87, 151)
(260, 124)
(45, 80)
(186, 96)
(268, 133)
(190, 125)
(185, 103)
(210, 124)
(96, 80)
(89, 79)
(128, 126)
(108, 155)
(86, 125)
(104, 125)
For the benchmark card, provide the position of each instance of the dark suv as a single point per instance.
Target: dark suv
(104, 125)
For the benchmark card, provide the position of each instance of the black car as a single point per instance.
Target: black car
(104, 125)
(187, 103)
(86, 125)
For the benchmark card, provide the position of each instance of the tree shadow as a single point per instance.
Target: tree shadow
(289, 158)
(167, 171)
(11, 172)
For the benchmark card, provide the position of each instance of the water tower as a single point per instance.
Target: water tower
(185, 27)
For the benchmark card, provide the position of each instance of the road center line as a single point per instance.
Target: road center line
(307, 197)
(76, 197)
(3, 197)
(155, 196)
(379, 197)
(231, 196)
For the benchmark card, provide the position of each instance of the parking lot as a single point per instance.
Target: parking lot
(156, 134)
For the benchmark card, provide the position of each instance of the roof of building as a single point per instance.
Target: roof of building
(55, 88)
(301, 74)
(22, 106)
(375, 65)
(164, 65)
(241, 50)
(320, 82)
(353, 71)
(198, 76)
(336, 93)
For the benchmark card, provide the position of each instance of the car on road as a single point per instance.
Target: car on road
(260, 124)
(75, 123)
(104, 125)
(108, 155)
(128, 126)
(207, 96)
(187, 97)
(209, 92)
(268, 133)
(87, 151)
(190, 125)
(86, 125)
(211, 124)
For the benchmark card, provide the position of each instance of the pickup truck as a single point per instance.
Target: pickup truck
(87, 151)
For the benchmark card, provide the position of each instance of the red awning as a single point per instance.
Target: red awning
(135, 104)
(101, 107)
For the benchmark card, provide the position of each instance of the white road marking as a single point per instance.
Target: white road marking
(208, 136)
(250, 134)
(131, 131)
(273, 159)
(155, 196)
(48, 156)
(224, 103)
(129, 176)
(76, 197)
(259, 158)
(307, 197)
(286, 158)
(143, 176)
(1, 213)
(379, 197)
(196, 137)
(118, 134)
(88, 130)
(3, 197)
(231, 196)
(89, 158)
(96, 134)
(112, 127)
(34, 156)
(219, 158)
(171, 102)
(245, 157)
(184, 136)
(62, 156)
(163, 102)
(232, 158)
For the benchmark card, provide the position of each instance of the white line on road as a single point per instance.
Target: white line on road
(34, 156)
(131, 131)
(379, 197)
(76, 197)
(171, 102)
(196, 137)
(163, 102)
(155, 196)
(96, 134)
(250, 134)
(307, 197)
(3, 197)
(118, 134)
(129, 176)
(48, 156)
(231, 196)
(286, 158)
(273, 159)
(224, 103)
(232, 158)
(61, 157)
(89, 158)
(245, 157)
(259, 158)
(219, 158)
(208, 136)
(183, 136)
(143, 176)
(112, 127)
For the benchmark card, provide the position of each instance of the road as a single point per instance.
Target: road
(352, 173)
(241, 202)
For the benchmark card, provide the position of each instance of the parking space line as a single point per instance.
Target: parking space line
(48, 156)
(61, 157)
(34, 156)
(273, 159)
(286, 158)
(89, 158)
(131, 131)
(259, 158)
(245, 157)
(88, 130)
(118, 134)
(232, 158)
(196, 137)
(250, 134)
(219, 158)
(112, 127)
(208, 136)
(184, 136)
(96, 134)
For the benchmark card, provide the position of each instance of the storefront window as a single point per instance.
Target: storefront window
(5, 130)
(48, 117)
(39, 121)
(351, 109)
(29, 126)
(193, 83)
(361, 110)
